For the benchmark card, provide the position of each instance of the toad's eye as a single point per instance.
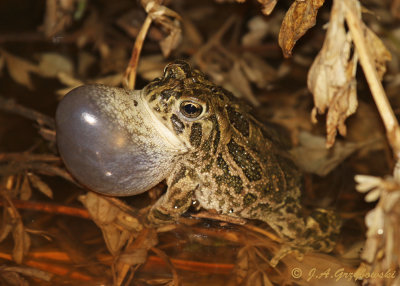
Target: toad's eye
(190, 109)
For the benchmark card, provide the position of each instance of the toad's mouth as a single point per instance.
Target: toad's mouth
(112, 143)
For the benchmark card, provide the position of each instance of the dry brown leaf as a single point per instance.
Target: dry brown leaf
(257, 70)
(267, 6)
(258, 29)
(70, 81)
(331, 76)
(240, 82)
(29, 271)
(103, 214)
(114, 237)
(93, 31)
(7, 223)
(40, 185)
(298, 19)
(169, 21)
(12, 278)
(50, 64)
(12, 222)
(22, 242)
(171, 42)
(312, 156)
(58, 16)
(19, 69)
(151, 66)
(241, 267)
(117, 227)
(85, 62)
(101, 210)
(25, 192)
(110, 80)
(379, 52)
(137, 256)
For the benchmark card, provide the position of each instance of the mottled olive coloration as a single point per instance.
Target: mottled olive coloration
(196, 135)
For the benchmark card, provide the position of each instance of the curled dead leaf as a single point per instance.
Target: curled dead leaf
(258, 29)
(312, 156)
(380, 54)
(40, 185)
(12, 223)
(169, 20)
(331, 78)
(19, 69)
(241, 83)
(60, 15)
(50, 64)
(28, 271)
(108, 218)
(298, 19)
(267, 6)
(22, 242)
(172, 40)
(138, 256)
(25, 191)
(6, 223)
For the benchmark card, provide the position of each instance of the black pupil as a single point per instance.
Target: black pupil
(191, 109)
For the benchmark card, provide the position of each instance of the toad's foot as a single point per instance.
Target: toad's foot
(322, 230)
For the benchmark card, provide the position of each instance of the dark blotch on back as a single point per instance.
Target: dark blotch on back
(243, 159)
(234, 182)
(180, 175)
(249, 199)
(153, 97)
(198, 91)
(177, 124)
(166, 94)
(196, 134)
(153, 85)
(217, 133)
(238, 121)
(222, 164)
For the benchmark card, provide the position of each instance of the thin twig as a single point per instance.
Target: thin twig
(168, 262)
(9, 105)
(24, 157)
(378, 93)
(39, 167)
(130, 72)
(50, 208)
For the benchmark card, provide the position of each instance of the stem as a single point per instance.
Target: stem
(375, 85)
(131, 70)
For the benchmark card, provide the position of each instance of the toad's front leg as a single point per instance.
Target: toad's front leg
(177, 199)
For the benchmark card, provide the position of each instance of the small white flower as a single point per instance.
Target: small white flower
(366, 183)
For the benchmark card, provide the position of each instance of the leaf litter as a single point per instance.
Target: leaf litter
(242, 54)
